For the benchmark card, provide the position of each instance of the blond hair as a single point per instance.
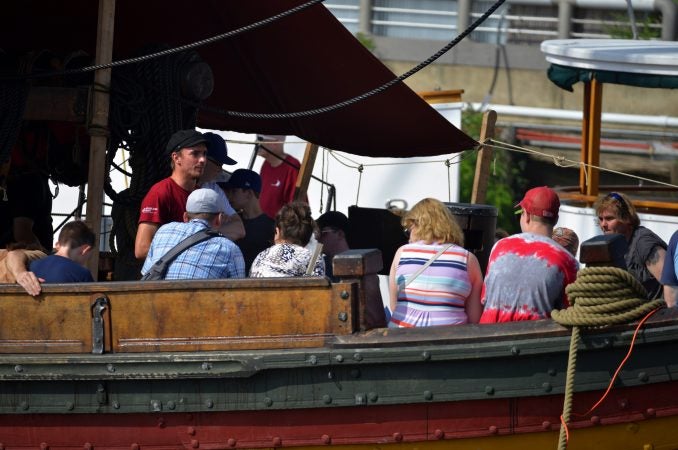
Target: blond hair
(434, 222)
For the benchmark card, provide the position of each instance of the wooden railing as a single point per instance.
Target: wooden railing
(653, 206)
(193, 315)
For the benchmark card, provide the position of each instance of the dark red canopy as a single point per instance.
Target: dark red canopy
(301, 62)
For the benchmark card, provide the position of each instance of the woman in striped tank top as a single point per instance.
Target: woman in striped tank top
(446, 292)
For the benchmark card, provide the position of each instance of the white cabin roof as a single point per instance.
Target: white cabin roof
(615, 55)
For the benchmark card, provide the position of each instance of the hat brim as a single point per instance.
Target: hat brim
(225, 160)
(189, 143)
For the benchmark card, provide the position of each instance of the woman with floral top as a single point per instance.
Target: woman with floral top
(289, 257)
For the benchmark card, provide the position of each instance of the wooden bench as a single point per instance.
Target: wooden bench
(190, 315)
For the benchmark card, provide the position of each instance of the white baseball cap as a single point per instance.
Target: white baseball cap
(203, 201)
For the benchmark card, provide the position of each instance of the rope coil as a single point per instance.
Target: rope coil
(601, 296)
(604, 296)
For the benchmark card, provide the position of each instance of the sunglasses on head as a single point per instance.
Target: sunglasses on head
(622, 203)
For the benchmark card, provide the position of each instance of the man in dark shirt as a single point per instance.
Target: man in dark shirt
(242, 190)
(73, 250)
(333, 229)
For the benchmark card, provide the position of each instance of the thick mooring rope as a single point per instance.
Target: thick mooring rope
(600, 296)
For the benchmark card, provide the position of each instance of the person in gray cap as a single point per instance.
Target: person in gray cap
(243, 190)
(216, 257)
(166, 200)
(217, 155)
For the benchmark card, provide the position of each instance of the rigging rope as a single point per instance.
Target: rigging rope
(13, 95)
(600, 296)
(290, 115)
(365, 95)
(143, 115)
(558, 161)
(174, 50)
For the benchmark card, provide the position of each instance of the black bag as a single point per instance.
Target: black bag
(159, 268)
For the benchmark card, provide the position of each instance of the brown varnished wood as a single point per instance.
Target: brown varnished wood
(98, 128)
(47, 324)
(482, 173)
(305, 172)
(190, 315)
(445, 96)
(363, 265)
(650, 206)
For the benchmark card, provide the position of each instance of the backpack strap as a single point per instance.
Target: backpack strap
(159, 268)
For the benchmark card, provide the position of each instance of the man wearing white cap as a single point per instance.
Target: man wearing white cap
(216, 257)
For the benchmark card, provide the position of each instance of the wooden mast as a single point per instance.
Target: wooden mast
(98, 126)
(305, 171)
(590, 147)
(482, 174)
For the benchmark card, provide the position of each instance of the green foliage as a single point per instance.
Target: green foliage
(366, 40)
(645, 31)
(506, 182)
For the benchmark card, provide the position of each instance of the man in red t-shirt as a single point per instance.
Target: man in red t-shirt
(166, 200)
(278, 174)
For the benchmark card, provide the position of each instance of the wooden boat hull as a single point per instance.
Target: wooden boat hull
(197, 380)
(635, 418)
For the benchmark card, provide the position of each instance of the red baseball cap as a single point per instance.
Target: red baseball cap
(540, 201)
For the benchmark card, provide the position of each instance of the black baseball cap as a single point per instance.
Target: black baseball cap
(243, 179)
(333, 219)
(185, 138)
(217, 150)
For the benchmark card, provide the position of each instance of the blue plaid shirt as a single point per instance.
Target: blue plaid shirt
(217, 257)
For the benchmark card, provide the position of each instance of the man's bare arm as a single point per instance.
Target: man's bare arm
(655, 263)
(670, 295)
(17, 265)
(142, 242)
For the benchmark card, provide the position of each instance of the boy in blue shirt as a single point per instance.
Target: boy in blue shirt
(67, 264)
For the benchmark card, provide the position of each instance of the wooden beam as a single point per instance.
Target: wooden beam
(56, 103)
(484, 158)
(98, 126)
(305, 171)
(595, 117)
(650, 206)
(585, 130)
(446, 96)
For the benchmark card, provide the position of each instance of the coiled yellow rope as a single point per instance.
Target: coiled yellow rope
(600, 296)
